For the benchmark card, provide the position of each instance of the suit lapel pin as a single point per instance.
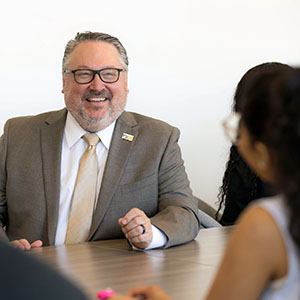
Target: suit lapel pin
(127, 137)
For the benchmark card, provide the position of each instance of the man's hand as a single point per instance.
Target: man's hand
(137, 228)
(23, 244)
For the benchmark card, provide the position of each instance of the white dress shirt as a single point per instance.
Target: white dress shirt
(73, 147)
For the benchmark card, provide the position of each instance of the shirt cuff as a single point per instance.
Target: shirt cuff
(159, 239)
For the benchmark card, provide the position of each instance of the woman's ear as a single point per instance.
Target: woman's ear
(263, 160)
(262, 154)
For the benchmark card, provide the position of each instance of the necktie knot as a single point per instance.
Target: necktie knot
(92, 139)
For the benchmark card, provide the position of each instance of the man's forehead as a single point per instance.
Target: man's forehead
(93, 45)
(94, 51)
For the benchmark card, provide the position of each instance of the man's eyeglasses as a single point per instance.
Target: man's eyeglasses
(231, 127)
(107, 75)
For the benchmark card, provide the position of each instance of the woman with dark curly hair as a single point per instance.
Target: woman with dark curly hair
(262, 259)
(240, 184)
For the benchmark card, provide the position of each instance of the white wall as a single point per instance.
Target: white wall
(186, 58)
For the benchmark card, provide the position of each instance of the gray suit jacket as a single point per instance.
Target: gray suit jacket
(147, 173)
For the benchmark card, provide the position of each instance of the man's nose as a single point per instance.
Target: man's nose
(97, 83)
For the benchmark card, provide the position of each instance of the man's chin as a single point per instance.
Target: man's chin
(94, 124)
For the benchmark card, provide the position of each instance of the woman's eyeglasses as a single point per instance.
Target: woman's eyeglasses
(231, 127)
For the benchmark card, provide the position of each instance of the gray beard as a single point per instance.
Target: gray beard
(94, 125)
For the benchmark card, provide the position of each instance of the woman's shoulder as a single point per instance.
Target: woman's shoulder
(262, 231)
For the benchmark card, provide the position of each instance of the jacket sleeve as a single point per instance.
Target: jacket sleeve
(177, 213)
(3, 204)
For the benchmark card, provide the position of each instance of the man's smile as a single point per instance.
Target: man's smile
(96, 99)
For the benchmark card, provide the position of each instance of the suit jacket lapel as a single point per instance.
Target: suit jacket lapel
(51, 144)
(117, 156)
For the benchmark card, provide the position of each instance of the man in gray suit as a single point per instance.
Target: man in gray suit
(142, 190)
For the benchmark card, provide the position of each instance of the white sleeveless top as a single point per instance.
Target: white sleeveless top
(288, 287)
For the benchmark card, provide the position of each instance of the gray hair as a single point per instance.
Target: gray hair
(94, 36)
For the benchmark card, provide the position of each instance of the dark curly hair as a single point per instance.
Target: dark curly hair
(251, 185)
(271, 114)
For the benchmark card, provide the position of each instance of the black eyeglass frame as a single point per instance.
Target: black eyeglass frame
(94, 73)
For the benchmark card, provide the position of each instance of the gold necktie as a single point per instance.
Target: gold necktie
(84, 195)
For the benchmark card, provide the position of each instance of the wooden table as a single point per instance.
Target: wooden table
(184, 272)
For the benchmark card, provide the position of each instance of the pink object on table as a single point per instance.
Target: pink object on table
(104, 294)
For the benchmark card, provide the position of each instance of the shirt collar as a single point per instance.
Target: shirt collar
(73, 132)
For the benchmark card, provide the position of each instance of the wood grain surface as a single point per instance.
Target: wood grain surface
(184, 272)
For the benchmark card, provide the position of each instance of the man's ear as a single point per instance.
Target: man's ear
(126, 83)
(63, 83)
